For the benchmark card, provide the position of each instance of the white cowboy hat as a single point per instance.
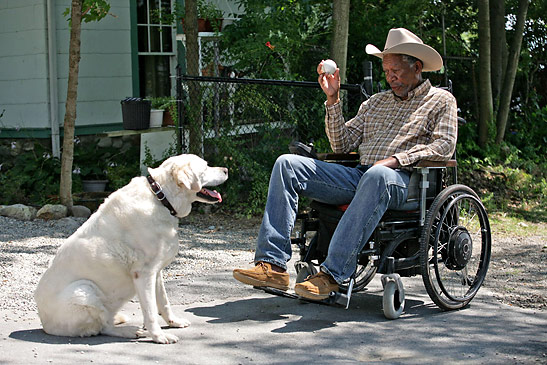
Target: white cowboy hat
(403, 41)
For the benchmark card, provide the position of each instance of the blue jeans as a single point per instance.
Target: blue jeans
(370, 189)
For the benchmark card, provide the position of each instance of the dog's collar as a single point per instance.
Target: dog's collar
(158, 192)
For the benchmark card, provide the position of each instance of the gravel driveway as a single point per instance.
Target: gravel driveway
(212, 245)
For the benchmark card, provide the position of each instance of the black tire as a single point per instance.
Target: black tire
(455, 246)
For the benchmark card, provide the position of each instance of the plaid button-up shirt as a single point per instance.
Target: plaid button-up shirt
(422, 127)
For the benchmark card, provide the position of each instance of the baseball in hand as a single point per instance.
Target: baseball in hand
(329, 67)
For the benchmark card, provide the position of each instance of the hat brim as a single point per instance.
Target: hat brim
(431, 59)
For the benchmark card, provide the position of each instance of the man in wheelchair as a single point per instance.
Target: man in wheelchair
(392, 131)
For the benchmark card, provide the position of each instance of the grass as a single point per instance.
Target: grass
(506, 224)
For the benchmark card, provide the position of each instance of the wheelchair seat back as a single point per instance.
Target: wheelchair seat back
(413, 198)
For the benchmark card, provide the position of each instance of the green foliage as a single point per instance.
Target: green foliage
(31, 178)
(505, 181)
(92, 162)
(280, 39)
(206, 10)
(528, 133)
(161, 102)
(249, 164)
(92, 11)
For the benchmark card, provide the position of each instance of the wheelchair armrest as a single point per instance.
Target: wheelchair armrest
(437, 164)
(348, 159)
(353, 156)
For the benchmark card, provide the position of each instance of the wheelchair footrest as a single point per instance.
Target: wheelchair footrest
(277, 292)
(333, 299)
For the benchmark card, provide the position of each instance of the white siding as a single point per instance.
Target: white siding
(23, 64)
(105, 66)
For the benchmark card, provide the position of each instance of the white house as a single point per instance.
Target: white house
(122, 55)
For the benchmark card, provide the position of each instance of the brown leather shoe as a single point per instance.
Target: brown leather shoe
(317, 287)
(263, 275)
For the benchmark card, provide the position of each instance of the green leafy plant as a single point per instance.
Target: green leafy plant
(120, 173)
(89, 163)
(206, 10)
(31, 178)
(92, 10)
(92, 162)
(210, 12)
(159, 102)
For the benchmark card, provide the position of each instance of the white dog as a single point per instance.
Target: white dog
(120, 250)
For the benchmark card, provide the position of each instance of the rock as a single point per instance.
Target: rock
(117, 143)
(68, 224)
(81, 211)
(18, 211)
(104, 142)
(52, 211)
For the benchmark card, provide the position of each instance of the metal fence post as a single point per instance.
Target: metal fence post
(178, 122)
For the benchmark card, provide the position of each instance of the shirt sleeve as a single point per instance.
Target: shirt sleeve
(443, 138)
(344, 136)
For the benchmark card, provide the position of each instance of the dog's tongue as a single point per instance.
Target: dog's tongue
(211, 195)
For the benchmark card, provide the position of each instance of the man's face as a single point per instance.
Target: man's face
(401, 76)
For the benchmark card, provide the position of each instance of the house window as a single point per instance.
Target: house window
(156, 47)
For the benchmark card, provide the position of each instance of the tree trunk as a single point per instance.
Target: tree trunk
(192, 68)
(486, 111)
(512, 65)
(499, 46)
(339, 45)
(65, 189)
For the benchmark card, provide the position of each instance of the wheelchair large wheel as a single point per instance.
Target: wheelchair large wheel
(455, 247)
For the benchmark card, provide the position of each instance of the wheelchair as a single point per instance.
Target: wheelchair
(442, 233)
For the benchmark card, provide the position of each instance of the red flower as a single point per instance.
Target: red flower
(269, 45)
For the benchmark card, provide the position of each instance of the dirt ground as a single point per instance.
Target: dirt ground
(518, 267)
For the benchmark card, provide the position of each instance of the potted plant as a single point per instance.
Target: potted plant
(170, 115)
(91, 167)
(93, 178)
(209, 16)
(157, 111)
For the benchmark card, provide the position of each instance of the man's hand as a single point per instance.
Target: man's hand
(330, 84)
(390, 162)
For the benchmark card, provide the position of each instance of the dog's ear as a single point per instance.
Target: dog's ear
(187, 177)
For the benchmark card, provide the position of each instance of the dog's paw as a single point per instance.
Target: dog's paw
(164, 338)
(178, 322)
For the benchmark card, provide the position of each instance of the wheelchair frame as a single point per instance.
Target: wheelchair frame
(438, 240)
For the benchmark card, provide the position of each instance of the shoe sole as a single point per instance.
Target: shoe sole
(312, 296)
(255, 282)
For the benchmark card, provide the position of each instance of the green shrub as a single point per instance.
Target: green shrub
(31, 178)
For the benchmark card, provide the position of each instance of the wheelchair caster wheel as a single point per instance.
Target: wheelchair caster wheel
(394, 296)
(303, 270)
